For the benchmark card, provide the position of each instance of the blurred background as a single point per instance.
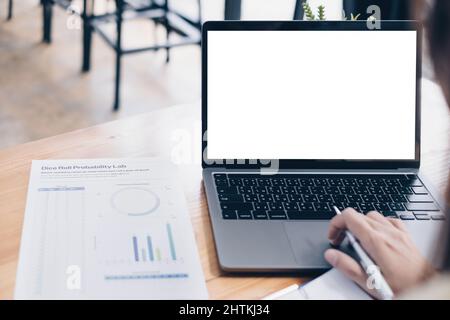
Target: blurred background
(63, 65)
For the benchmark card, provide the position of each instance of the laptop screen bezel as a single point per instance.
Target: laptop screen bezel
(314, 26)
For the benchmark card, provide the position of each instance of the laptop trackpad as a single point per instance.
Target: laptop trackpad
(309, 241)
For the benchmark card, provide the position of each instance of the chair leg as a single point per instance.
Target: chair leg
(47, 8)
(87, 38)
(200, 16)
(10, 9)
(167, 27)
(233, 9)
(299, 12)
(118, 48)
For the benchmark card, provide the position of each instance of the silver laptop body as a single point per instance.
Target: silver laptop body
(258, 88)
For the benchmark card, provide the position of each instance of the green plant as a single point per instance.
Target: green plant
(352, 17)
(321, 16)
(308, 12)
(321, 12)
(310, 15)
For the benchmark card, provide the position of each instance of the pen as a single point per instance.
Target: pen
(372, 270)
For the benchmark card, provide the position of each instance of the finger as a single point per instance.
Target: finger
(336, 229)
(347, 265)
(351, 269)
(397, 224)
(378, 225)
(386, 225)
(349, 220)
(339, 239)
(378, 217)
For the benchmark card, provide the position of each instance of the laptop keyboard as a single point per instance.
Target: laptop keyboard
(312, 197)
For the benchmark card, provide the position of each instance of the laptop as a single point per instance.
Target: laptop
(299, 117)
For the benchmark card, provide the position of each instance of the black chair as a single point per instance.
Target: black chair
(158, 11)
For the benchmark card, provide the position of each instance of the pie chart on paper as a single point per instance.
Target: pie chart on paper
(135, 201)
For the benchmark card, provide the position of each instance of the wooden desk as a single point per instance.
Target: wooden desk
(165, 133)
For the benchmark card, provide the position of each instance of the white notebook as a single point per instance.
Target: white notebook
(332, 285)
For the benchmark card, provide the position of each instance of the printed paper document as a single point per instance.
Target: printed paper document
(107, 229)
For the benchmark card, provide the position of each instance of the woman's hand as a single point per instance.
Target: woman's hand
(387, 242)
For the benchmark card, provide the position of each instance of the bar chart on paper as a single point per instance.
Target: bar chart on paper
(150, 253)
(145, 242)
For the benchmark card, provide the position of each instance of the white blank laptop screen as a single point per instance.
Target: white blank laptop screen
(311, 95)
